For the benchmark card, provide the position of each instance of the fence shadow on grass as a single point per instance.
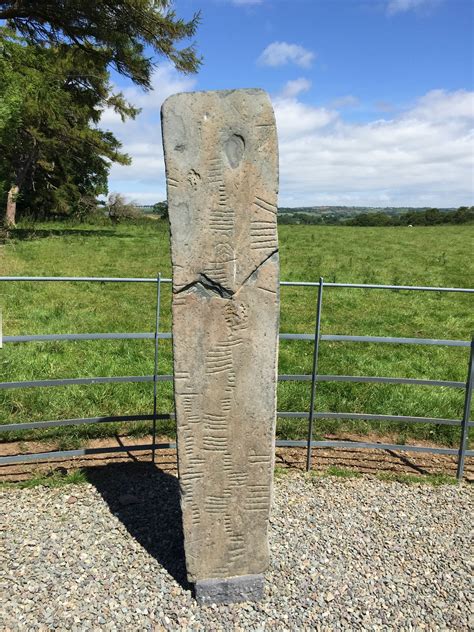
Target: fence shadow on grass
(146, 500)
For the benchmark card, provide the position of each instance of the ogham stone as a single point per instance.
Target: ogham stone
(221, 159)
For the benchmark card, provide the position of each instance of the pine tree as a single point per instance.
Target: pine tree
(55, 57)
(53, 156)
(117, 32)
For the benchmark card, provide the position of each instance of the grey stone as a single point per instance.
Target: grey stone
(221, 161)
(231, 590)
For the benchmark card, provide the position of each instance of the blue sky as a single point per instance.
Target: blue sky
(373, 98)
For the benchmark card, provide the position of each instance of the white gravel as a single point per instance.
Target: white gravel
(356, 554)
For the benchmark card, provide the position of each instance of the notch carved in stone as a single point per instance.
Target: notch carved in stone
(234, 150)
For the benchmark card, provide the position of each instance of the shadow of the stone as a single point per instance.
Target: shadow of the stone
(147, 501)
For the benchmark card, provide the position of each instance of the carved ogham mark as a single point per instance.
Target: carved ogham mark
(228, 525)
(219, 361)
(256, 508)
(215, 444)
(233, 341)
(196, 463)
(216, 504)
(231, 384)
(193, 419)
(258, 226)
(192, 476)
(181, 375)
(218, 420)
(259, 458)
(264, 245)
(221, 216)
(173, 178)
(237, 547)
(188, 445)
(265, 205)
(188, 401)
(238, 478)
(215, 171)
(195, 515)
(263, 234)
(258, 498)
(257, 490)
(222, 195)
(226, 404)
(188, 480)
(221, 221)
(266, 289)
(179, 300)
(228, 465)
(217, 271)
(218, 433)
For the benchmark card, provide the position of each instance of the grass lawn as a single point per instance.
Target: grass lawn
(438, 256)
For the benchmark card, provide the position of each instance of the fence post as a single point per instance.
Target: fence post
(155, 370)
(466, 415)
(317, 335)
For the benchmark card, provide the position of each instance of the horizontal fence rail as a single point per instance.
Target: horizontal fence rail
(281, 378)
(363, 286)
(316, 338)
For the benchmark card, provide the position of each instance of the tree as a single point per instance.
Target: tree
(115, 32)
(161, 208)
(55, 84)
(119, 209)
(433, 216)
(51, 151)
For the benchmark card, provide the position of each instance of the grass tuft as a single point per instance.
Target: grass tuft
(414, 479)
(52, 479)
(341, 472)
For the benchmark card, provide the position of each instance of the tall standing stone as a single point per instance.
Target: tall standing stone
(221, 159)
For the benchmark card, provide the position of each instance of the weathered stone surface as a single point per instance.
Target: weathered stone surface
(222, 174)
(233, 589)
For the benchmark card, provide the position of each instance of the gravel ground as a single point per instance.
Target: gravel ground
(347, 554)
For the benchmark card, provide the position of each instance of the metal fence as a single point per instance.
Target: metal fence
(315, 377)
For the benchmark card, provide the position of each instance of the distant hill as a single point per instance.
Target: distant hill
(375, 216)
(346, 212)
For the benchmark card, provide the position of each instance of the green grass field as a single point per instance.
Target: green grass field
(438, 256)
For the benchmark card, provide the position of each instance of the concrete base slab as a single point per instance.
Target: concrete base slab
(230, 590)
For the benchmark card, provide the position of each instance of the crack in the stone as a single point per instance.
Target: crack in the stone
(256, 269)
(216, 288)
(208, 284)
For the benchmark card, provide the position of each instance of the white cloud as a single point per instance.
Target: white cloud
(295, 87)
(443, 105)
(420, 157)
(295, 119)
(281, 53)
(401, 6)
(423, 157)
